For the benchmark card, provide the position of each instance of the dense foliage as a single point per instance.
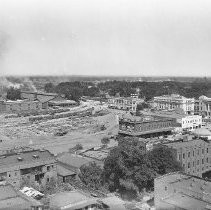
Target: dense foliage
(13, 94)
(91, 175)
(147, 90)
(129, 168)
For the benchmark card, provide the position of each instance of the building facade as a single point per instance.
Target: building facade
(145, 126)
(31, 166)
(19, 106)
(181, 191)
(174, 101)
(191, 122)
(193, 154)
(129, 103)
(205, 106)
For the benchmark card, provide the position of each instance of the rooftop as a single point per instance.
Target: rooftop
(172, 96)
(71, 200)
(73, 160)
(11, 199)
(144, 118)
(25, 159)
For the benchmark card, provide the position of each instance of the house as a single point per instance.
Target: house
(12, 199)
(33, 166)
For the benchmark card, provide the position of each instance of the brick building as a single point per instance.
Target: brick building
(204, 106)
(34, 165)
(181, 191)
(193, 154)
(19, 105)
(145, 126)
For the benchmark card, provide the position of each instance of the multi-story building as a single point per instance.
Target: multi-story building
(205, 106)
(174, 101)
(191, 122)
(129, 103)
(19, 105)
(145, 126)
(196, 107)
(182, 191)
(34, 166)
(193, 154)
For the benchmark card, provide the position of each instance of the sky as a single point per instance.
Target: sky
(105, 37)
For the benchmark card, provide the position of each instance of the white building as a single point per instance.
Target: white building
(129, 103)
(174, 101)
(191, 122)
(205, 106)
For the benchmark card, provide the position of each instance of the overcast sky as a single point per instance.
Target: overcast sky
(105, 37)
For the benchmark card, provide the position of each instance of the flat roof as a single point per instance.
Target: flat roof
(71, 200)
(186, 202)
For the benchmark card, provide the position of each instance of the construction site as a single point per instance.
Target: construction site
(58, 132)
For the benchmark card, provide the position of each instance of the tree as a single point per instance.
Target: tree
(105, 140)
(49, 88)
(13, 93)
(163, 160)
(91, 175)
(76, 148)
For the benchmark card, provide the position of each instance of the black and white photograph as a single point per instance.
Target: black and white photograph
(105, 105)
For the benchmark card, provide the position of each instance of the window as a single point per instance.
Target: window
(193, 153)
(207, 160)
(193, 163)
(48, 180)
(202, 161)
(188, 154)
(166, 188)
(197, 162)
(207, 150)
(183, 155)
(48, 168)
(188, 165)
(202, 151)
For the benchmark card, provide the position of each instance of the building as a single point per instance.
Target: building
(7, 106)
(183, 121)
(72, 200)
(196, 107)
(125, 103)
(33, 166)
(145, 126)
(191, 122)
(12, 199)
(47, 99)
(68, 165)
(205, 106)
(174, 101)
(182, 191)
(193, 154)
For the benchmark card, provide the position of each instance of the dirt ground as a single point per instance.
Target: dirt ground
(18, 132)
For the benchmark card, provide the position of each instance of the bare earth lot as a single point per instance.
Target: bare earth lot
(84, 130)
